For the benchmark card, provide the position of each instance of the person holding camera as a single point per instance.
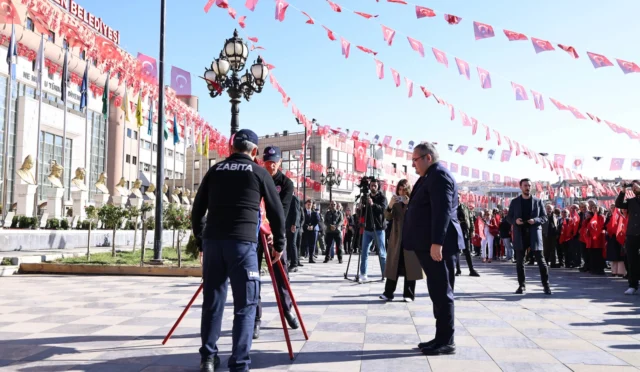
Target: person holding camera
(468, 228)
(632, 242)
(399, 261)
(333, 221)
(375, 204)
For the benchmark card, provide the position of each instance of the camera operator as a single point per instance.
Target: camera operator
(374, 205)
(632, 243)
(333, 221)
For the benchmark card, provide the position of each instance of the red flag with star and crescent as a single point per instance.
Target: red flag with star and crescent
(485, 78)
(598, 60)
(388, 34)
(441, 56)
(416, 45)
(482, 30)
(541, 45)
(463, 68)
(514, 36)
(422, 12)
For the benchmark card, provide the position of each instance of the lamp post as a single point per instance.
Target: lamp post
(233, 57)
(331, 180)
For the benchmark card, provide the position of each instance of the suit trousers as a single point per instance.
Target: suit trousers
(467, 256)
(573, 256)
(544, 270)
(549, 244)
(632, 245)
(563, 251)
(309, 243)
(330, 238)
(440, 283)
(596, 261)
(292, 246)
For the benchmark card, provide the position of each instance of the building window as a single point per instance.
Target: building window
(98, 150)
(65, 44)
(135, 134)
(129, 132)
(292, 161)
(170, 153)
(83, 55)
(342, 161)
(51, 36)
(30, 25)
(404, 169)
(145, 167)
(155, 148)
(146, 145)
(128, 158)
(212, 162)
(134, 160)
(196, 164)
(51, 149)
(169, 173)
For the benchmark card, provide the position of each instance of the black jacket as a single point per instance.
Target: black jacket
(633, 209)
(284, 186)
(312, 219)
(505, 228)
(465, 221)
(293, 217)
(431, 216)
(231, 192)
(378, 207)
(333, 218)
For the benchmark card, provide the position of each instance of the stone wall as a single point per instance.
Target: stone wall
(32, 240)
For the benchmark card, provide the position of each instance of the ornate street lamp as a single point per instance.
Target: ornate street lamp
(233, 57)
(331, 180)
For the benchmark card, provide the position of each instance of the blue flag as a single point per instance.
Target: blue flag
(176, 135)
(12, 52)
(150, 128)
(84, 87)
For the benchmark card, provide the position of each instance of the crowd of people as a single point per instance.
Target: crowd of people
(418, 231)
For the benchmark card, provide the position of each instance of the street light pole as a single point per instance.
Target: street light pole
(331, 180)
(233, 57)
(304, 162)
(157, 238)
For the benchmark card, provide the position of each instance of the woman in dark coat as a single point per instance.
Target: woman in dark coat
(614, 248)
(399, 261)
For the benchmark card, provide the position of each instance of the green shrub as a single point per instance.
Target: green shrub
(53, 224)
(150, 223)
(191, 248)
(64, 224)
(84, 225)
(14, 222)
(131, 225)
(28, 222)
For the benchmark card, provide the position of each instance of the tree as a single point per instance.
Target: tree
(112, 218)
(146, 207)
(134, 213)
(92, 216)
(178, 219)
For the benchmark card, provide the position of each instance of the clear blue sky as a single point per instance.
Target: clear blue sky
(347, 93)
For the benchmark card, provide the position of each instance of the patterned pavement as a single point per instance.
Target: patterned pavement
(109, 323)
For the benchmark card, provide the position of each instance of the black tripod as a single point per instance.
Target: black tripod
(365, 213)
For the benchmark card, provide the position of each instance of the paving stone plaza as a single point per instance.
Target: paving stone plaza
(116, 323)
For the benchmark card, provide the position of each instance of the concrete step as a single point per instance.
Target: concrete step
(8, 270)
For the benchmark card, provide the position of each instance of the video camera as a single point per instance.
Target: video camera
(364, 185)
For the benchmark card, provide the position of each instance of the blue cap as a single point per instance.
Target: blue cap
(245, 135)
(272, 153)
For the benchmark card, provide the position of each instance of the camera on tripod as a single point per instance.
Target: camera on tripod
(364, 185)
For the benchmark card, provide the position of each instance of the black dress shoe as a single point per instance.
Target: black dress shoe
(291, 319)
(293, 269)
(547, 290)
(339, 260)
(209, 364)
(312, 261)
(521, 290)
(325, 260)
(422, 345)
(436, 349)
(256, 330)
(299, 264)
(458, 273)
(473, 273)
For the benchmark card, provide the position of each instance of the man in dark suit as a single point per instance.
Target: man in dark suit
(431, 229)
(294, 223)
(310, 233)
(527, 215)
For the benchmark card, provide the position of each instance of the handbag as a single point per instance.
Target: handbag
(476, 241)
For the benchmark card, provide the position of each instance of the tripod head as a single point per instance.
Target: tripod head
(364, 186)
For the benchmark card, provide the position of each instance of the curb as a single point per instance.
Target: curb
(52, 268)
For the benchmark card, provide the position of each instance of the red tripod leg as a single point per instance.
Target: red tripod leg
(293, 300)
(267, 256)
(184, 312)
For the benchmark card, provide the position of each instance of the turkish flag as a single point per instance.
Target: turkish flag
(558, 160)
(454, 168)
(396, 77)
(416, 45)
(379, 69)
(388, 34)
(628, 67)
(521, 93)
(496, 178)
(485, 176)
(254, 39)
(281, 9)
(452, 111)
(465, 171)
(451, 19)
(149, 70)
(598, 60)
(635, 164)
(482, 30)
(9, 14)
(345, 47)
(569, 49)
(366, 50)
(251, 4)
(498, 137)
(426, 92)
(616, 164)
(360, 152)
(422, 12)
(506, 156)
(386, 141)
(514, 36)
(541, 45)
(330, 34)
(366, 15)
(107, 49)
(465, 119)
(577, 163)
(475, 173)
(463, 68)
(576, 113)
(485, 78)
(241, 21)
(558, 104)
(474, 126)
(409, 84)
(310, 20)
(180, 81)
(538, 100)
(441, 56)
(334, 6)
